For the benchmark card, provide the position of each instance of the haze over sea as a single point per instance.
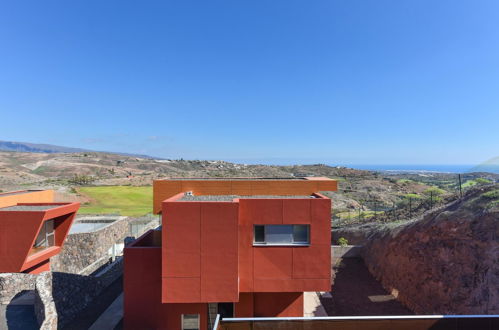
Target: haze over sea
(491, 167)
(417, 168)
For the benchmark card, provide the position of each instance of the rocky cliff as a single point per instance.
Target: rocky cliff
(447, 262)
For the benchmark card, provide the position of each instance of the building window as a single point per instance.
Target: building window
(190, 321)
(46, 236)
(281, 235)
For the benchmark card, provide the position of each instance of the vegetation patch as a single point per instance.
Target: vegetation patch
(342, 241)
(493, 194)
(123, 200)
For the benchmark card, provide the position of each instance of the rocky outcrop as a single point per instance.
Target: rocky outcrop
(445, 263)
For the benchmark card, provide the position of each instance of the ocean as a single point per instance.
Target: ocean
(425, 168)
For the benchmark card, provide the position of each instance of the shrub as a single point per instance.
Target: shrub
(482, 181)
(412, 196)
(434, 190)
(342, 241)
(493, 194)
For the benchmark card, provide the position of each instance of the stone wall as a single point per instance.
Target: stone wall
(11, 284)
(84, 249)
(59, 297)
(72, 292)
(83, 253)
(45, 309)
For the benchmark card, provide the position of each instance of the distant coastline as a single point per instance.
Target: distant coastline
(425, 168)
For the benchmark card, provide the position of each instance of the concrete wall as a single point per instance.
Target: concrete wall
(348, 251)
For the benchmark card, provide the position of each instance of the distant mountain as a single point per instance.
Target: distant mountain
(34, 147)
(53, 149)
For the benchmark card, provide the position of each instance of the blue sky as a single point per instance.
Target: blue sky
(340, 82)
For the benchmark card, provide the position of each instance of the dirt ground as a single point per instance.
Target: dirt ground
(356, 292)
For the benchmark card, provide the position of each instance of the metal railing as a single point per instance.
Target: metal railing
(413, 322)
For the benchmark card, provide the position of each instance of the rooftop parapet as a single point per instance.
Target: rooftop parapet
(167, 188)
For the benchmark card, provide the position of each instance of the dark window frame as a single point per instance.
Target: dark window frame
(257, 241)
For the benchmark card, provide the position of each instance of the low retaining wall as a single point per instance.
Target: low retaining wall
(84, 253)
(72, 292)
(59, 297)
(348, 251)
(45, 309)
(83, 249)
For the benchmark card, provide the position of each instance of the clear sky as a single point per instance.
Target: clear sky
(340, 82)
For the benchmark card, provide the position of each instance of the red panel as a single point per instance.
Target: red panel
(142, 294)
(312, 262)
(181, 290)
(181, 239)
(321, 222)
(245, 247)
(44, 266)
(244, 308)
(142, 288)
(62, 224)
(289, 304)
(296, 211)
(35, 259)
(246, 258)
(291, 285)
(263, 211)
(273, 262)
(219, 259)
(18, 230)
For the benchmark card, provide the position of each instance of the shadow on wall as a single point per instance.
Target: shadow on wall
(20, 312)
(58, 297)
(356, 292)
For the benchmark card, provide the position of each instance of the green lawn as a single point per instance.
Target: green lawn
(124, 200)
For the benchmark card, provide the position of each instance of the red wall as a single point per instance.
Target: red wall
(143, 308)
(285, 269)
(200, 259)
(270, 304)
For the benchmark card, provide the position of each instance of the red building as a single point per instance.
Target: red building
(32, 229)
(239, 247)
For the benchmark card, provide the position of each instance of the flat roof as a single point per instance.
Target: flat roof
(221, 198)
(19, 192)
(29, 207)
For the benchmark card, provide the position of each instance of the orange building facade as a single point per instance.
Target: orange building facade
(238, 247)
(32, 229)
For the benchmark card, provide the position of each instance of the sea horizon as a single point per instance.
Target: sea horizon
(415, 168)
